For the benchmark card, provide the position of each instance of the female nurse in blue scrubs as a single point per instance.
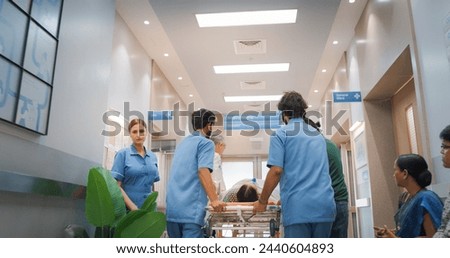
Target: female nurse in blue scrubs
(135, 168)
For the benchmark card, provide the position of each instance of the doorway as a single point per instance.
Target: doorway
(404, 116)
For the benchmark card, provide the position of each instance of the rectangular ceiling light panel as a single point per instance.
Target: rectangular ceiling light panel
(246, 18)
(253, 68)
(252, 98)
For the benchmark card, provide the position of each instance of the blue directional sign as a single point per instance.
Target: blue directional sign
(346, 96)
(156, 115)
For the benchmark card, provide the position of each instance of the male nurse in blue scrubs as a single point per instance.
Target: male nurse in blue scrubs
(298, 160)
(190, 183)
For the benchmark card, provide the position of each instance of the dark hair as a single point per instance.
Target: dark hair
(417, 167)
(201, 118)
(292, 104)
(445, 134)
(135, 122)
(316, 125)
(247, 193)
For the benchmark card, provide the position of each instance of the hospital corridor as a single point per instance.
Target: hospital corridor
(248, 118)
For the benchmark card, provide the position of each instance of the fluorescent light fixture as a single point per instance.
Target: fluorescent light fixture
(246, 18)
(253, 68)
(252, 98)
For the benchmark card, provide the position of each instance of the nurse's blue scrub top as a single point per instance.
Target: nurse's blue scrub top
(136, 173)
(186, 198)
(305, 185)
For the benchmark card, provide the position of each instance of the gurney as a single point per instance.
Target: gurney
(238, 220)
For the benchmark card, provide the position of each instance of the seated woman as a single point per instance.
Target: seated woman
(420, 215)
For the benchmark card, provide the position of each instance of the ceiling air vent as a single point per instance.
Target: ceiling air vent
(253, 85)
(254, 46)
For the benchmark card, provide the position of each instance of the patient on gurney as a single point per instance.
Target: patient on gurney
(248, 190)
(247, 193)
(243, 194)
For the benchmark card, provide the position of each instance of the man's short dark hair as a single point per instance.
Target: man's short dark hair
(202, 117)
(445, 134)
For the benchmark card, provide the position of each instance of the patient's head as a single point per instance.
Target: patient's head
(247, 193)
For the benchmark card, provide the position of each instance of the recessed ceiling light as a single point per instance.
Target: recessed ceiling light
(310, 106)
(146, 22)
(166, 55)
(252, 98)
(191, 95)
(351, 1)
(254, 68)
(180, 78)
(316, 91)
(246, 18)
(335, 42)
(324, 70)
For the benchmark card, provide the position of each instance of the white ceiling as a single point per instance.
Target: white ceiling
(306, 45)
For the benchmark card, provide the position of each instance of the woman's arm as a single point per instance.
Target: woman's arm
(428, 225)
(128, 202)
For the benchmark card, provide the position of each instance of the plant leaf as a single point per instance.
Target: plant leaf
(127, 220)
(99, 206)
(116, 194)
(150, 203)
(149, 225)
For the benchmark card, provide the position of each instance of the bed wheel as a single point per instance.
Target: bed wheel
(207, 231)
(274, 227)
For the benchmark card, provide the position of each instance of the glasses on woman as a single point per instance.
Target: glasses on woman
(445, 147)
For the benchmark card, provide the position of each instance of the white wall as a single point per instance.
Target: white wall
(130, 72)
(381, 35)
(431, 20)
(74, 142)
(385, 29)
(79, 98)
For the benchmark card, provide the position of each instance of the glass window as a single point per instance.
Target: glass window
(13, 25)
(264, 169)
(234, 171)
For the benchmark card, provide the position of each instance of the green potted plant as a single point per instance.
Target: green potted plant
(105, 209)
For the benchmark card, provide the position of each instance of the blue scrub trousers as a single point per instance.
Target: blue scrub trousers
(308, 230)
(184, 230)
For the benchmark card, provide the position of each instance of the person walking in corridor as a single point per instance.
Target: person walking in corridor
(298, 161)
(190, 183)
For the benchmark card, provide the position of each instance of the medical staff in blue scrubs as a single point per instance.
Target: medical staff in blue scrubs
(135, 168)
(190, 183)
(298, 161)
